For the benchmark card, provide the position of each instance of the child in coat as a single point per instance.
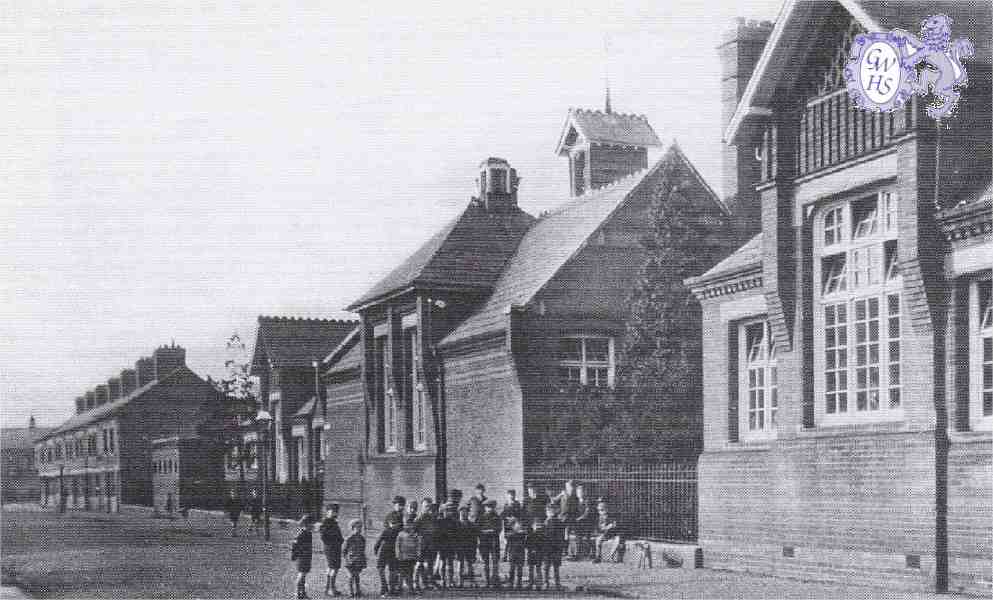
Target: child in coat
(554, 545)
(332, 539)
(353, 552)
(515, 552)
(302, 552)
(467, 542)
(534, 543)
(408, 551)
(490, 526)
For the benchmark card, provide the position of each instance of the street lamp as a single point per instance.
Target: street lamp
(263, 420)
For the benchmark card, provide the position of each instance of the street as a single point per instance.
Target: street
(134, 556)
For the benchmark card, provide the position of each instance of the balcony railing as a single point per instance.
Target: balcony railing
(831, 131)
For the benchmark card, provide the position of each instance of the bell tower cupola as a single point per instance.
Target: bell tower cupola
(498, 184)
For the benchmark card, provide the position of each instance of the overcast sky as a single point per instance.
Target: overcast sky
(170, 172)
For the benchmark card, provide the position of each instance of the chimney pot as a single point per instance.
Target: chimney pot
(145, 370)
(129, 381)
(114, 387)
(102, 394)
(91, 399)
(168, 359)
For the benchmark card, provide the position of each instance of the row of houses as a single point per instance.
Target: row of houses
(844, 431)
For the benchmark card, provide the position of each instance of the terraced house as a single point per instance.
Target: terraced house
(446, 381)
(848, 400)
(101, 457)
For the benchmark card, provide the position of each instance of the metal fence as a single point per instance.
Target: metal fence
(655, 501)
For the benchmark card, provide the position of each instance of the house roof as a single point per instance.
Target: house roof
(549, 245)
(307, 408)
(971, 202)
(294, 342)
(794, 34)
(346, 355)
(13, 438)
(468, 252)
(111, 408)
(747, 256)
(599, 127)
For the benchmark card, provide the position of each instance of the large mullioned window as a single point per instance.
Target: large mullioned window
(759, 381)
(587, 360)
(981, 353)
(858, 314)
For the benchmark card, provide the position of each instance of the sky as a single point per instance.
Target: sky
(170, 171)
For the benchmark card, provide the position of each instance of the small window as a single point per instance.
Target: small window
(759, 385)
(834, 225)
(833, 269)
(865, 218)
(587, 360)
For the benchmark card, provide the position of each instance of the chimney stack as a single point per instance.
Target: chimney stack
(31, 423)
(114, 385)
(168, 359)
(102, 394)
(498, 185)
(739, 52)
(145, 370)
(91, 399)
(80, 404)
(129, 382)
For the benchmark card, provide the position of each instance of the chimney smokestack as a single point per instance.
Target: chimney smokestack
(498, 184)
(129, 381)
(168, 359)
(145, 370)
(91, 399)
(114, 385)
(739, 52)
(102, 394)
(80, 404)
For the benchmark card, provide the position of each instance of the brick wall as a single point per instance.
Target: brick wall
(485, 421)
(970, 513)
(345, 440)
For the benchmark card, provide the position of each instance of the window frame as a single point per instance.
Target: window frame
(980, 341)
(871, 354)
(418, 408)
(584, 364)
(767, 365)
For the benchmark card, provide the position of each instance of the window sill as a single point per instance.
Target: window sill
(978, 434)
(853, 429)
(412, 455)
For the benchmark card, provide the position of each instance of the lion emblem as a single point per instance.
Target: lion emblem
(942, 58)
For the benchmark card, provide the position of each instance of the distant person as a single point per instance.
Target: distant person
(516, 553)
(426, 524)
(467, 541)
(476, 502)
(385, 548)
(332, 540)
(608, 541)
(490, 526)
(585, 522)
(302, 553)
(408, 551)
(534, 504)
(534, 544)
(354, 554)
(554, 542)
(512, 511)
(232, 506)
(446, 542)
(255, 510)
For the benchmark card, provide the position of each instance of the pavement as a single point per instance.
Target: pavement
(136, 556)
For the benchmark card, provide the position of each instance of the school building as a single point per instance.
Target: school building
(463, 349)
(848, 401)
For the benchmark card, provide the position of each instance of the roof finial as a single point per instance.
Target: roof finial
(606, 72)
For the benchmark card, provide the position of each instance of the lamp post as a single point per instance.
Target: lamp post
(263, 420)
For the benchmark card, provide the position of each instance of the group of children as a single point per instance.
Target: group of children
(430, 545)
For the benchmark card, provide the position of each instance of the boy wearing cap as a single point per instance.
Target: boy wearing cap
(301, 553)
(426, 525)
(512, 511)
(534, 544)
(554, 542)
(467, 541)
(332, 539)
(355, 561)
(534, 504)
(445, 540)
(490, 526)
(385, 547)
(408, 550)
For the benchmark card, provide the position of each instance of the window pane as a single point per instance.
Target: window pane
(833, 273)
(571, 349)
(597, 350)
(864, 217)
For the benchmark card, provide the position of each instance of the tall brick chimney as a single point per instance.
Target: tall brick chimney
(145, 370)
(102, 394)
(91, 399)
(114, 385)
(740, 49)
(168, 359)
(80, 404)
(129, 381)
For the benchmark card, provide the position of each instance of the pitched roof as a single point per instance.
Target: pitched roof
(971, 202)
(608, 128)
(346, 355)
(307, 408)
(749, 255)
(12, 438)
(111, 408)
(470, 251)
(546, 247)
(793, 35)
(293, 342)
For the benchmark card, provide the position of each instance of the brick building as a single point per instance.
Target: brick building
(847, 398)
(18, 472)
(443, 384)
(187, 471)
(285, 362)
(101, 456)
